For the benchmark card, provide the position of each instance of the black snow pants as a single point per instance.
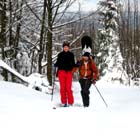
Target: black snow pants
(85, 86)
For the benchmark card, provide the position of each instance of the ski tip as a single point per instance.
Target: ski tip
(54, 107)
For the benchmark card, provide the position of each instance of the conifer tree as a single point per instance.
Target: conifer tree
(110, 58)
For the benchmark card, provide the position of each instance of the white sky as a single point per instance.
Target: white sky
(86, 5)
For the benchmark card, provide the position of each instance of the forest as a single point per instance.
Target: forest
(32, 33)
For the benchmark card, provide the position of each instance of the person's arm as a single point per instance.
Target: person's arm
(58, 61)
(95, 71)
(73, 61)
(77, 66)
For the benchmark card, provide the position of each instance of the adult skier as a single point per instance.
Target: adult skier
(65, 63)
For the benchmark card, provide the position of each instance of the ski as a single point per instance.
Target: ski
(68, 106)
(86, 43)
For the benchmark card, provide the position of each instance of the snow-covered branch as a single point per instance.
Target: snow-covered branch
(34, 81)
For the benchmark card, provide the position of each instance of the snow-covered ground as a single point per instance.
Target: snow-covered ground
(26, 114)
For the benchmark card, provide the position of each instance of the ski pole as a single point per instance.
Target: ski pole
(52, 91)
(53, 84)
(100, 95)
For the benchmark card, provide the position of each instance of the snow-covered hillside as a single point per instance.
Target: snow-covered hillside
(27, 114)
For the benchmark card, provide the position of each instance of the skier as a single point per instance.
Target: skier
(65, 63)
(88, 74)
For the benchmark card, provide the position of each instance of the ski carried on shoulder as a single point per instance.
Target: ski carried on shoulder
(86, 43)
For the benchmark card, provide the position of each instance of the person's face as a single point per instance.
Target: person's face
(66, 48)
(85, 58)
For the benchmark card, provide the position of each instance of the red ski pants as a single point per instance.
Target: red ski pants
(65, 80)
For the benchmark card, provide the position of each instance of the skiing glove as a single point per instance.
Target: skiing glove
(93, 81)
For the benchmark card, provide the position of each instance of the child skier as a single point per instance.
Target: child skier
(88, 74)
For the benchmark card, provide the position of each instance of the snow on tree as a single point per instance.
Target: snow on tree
(110, 58)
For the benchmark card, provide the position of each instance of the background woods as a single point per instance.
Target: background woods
(32, 32)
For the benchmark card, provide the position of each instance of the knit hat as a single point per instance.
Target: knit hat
(86, 54)
(66, 43)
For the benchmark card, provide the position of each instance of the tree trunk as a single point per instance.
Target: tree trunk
(49, 43)
(10, 23)
(3, 22)
(17, 36)
(41, 39)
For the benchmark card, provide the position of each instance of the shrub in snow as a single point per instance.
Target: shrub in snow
(39, 82)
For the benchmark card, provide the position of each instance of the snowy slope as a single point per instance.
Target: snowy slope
(26, 114)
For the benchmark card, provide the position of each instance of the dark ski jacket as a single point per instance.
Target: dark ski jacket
(65, 61)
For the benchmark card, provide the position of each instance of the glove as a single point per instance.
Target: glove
(93, 81)
(55, 70)
(56, 73)
(78, 64)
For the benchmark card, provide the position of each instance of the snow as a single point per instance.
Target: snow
(35, 80)
(27, 114)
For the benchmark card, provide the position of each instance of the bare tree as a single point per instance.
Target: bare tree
(3, 23)
(129, 38)
(42, 32)
(53, 9)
